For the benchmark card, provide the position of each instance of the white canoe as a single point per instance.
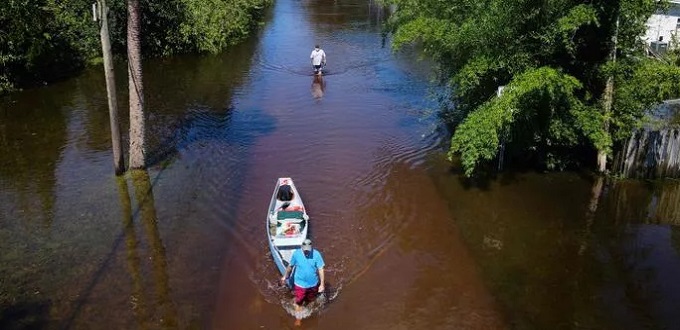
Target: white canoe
(287, 222)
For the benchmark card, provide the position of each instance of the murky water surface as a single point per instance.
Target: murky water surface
(408, 243)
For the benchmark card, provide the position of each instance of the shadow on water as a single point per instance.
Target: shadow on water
(638, 248)
(33, 130)
(198, 107)
(163, 304)
(146, 307)
(528, 239)
(488, 175)
(484, 180)
(92, 99)
(177, 89)
(133, 258)
(25, 315)
(645, 202)
(589, 251)
(209, 80)
(192, 128)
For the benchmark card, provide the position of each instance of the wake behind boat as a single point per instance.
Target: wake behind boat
(287, 224)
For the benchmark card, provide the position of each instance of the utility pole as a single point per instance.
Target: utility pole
(100, 12)
(504, 136)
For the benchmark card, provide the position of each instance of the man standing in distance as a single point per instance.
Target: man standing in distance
(318, 58)
(308, 278)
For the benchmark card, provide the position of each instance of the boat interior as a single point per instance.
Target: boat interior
(287, 217)
(289, 224)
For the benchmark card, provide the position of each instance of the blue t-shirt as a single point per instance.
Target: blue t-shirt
(305, 268)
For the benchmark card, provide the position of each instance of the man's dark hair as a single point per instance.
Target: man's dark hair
(317, 46)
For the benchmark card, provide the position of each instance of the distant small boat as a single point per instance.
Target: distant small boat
(287, 223)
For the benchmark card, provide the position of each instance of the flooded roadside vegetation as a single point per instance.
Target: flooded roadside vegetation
(409, 240)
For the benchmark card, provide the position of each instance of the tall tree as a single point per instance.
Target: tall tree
(135, 88)
(118, 161)
(608, 99)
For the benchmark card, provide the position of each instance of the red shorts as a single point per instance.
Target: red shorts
(305, 294)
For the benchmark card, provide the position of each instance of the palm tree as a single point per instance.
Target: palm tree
(135, 87)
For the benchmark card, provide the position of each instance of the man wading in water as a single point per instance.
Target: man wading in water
(318, 58)
(308, 278)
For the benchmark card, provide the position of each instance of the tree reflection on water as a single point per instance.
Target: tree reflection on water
(639, 253)
(147, 309)
(575, 250)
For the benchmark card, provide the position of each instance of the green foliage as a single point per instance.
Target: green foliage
(641, 86)
(536, 96)
(541, 51)
(189, 26)
(43, 40)
(569, 25)
(213, 25)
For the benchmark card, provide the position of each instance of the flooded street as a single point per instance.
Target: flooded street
(408, 243)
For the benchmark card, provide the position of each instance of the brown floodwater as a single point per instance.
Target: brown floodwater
(408, 242)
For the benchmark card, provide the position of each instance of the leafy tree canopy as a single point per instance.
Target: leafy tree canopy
(554, 56)
(43, 40)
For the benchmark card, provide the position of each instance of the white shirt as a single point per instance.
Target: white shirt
(318, 56)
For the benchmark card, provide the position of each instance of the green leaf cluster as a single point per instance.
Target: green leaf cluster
(641, 86)
(189, 26)
(539, 108)
(554, 56)
(44, 40)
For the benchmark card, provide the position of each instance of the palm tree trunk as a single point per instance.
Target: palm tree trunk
(118, 160)
(135, 87)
